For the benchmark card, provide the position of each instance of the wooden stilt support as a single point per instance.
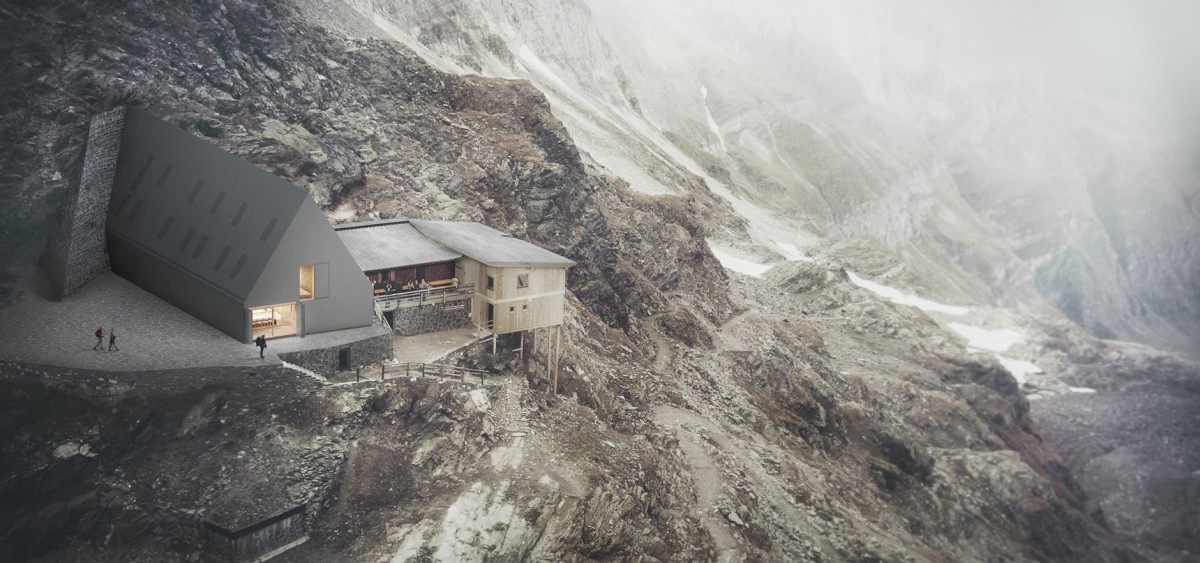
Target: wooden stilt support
(557, 353)
(522, 348)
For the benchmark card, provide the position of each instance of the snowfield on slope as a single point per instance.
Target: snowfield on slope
(978, 339)
(731, 261)
(999, 340)
(900, 298)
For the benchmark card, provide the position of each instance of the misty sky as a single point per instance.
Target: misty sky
(1143, 51)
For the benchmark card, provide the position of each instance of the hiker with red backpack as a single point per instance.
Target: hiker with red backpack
(99, 340)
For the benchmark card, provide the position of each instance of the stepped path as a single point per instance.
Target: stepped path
(706, 474)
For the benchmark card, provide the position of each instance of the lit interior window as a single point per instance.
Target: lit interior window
(306, 282)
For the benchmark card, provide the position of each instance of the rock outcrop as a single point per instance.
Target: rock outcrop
(700, 417)
(916, 125)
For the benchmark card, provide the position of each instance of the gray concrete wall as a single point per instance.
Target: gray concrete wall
(255, 540)
(343, 293)
(197, 206)
(175, 286)
(432, 317)
(75, 253)
(325, 360)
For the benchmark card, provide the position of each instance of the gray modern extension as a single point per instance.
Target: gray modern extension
(225, 241)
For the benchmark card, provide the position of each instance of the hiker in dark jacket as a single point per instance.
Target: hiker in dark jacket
(99, 340)
(261, 342)
(112, 340)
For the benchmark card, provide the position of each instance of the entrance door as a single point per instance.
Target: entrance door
(273, 321)
(491, 316)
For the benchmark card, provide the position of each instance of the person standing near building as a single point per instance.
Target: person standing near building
(99, 340)
(261, 342)
(112, 340)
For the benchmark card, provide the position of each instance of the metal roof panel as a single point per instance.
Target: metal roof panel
(389, 244)
(489, 246)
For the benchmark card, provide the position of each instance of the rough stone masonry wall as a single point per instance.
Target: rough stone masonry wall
(432, 317)
(76, 252)
(325, 360)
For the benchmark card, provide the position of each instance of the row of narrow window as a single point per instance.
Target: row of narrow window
(192, 196)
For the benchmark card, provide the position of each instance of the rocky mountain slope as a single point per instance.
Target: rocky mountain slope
(701, 416)
(929, 126)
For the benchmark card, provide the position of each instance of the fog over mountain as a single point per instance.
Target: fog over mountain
(860, 280)
(1003, 149)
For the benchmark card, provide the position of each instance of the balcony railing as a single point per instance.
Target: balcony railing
(418, 297)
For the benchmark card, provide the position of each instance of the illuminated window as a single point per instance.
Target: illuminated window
(522, 280)
(306, 282)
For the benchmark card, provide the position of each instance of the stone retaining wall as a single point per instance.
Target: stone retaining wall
(432, 317)
(76, 250)
(324, 361)
(255, 540)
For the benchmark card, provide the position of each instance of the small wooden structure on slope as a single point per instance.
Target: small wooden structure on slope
(512, 285)
(519, 285)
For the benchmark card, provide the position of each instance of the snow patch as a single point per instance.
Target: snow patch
(996, 341)
(900, 298)
(738, 264)
(791, 252)
(1020, 369)
(991, 340)
(712, 123)
(1082, 390)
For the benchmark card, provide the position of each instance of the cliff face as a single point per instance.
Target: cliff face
(816, 423)
(928, 127)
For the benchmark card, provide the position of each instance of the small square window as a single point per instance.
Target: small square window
(511, 309)
(522, 280)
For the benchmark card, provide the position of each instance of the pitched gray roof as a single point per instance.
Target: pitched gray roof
(391, 244)
(489, 246)
(196, 206)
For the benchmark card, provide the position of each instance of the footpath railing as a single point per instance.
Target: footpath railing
(409, 369)
(379, 315)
